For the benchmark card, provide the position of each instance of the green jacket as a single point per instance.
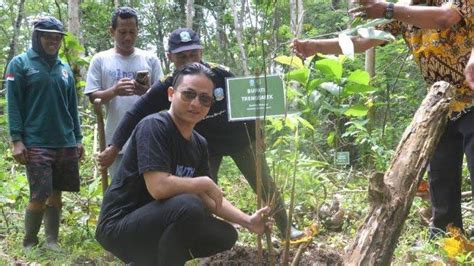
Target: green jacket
(42, 103)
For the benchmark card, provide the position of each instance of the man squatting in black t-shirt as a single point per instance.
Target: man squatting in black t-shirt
(159, 209)
(235, 139)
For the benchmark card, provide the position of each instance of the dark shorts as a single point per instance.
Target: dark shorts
(52, 169)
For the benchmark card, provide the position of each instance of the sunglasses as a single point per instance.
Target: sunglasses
(190, 95)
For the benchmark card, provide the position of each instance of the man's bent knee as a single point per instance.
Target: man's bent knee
(36, 205)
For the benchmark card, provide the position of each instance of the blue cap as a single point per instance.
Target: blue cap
(49, 24)
(183, 39)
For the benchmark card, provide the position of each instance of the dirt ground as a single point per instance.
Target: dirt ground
(240, 255)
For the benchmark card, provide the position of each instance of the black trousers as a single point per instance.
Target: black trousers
(245, 161)
(168, 232)
(445, 171)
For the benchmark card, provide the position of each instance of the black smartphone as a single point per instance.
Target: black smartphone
(142, 77)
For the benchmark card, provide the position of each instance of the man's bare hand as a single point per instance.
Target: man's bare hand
(107, 157)
(369, 8)
(257, 223)
(124, 87)
(80, 151)
(208, 187)
(469, 72)
(304, 48)
(20, 153)
(140, 88)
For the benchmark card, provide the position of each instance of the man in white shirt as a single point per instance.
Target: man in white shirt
(112, 73)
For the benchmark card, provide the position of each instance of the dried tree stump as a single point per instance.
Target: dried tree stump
(391, 195)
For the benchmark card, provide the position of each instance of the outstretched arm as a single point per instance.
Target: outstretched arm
(306, 48)
(155, 100)
(425, 17)
(255, 223)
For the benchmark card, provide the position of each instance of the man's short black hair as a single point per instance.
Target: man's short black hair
(124, 12)
(192, 69)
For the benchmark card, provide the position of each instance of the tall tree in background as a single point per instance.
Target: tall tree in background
(14, 39)
(238, 18)
(296, 17)
(73, 18)
(189, 13)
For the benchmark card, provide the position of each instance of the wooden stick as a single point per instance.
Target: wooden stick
(100, 127)
(299, 252)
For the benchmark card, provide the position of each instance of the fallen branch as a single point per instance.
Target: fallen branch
(299, 252)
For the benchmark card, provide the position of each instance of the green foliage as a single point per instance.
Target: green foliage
(334, 105)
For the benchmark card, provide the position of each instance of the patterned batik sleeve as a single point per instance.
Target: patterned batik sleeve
(464, 7)
(394, 27)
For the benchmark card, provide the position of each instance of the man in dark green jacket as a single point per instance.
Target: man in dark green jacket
(44, 128)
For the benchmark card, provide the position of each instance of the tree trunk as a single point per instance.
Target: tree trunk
(238, 33)
(296, 17)
(14, 40)
(159, 27)
(221, 35)
(189, 13)
(391, 195)
(73, 20)
(370, 61)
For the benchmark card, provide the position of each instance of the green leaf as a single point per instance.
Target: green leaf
(352, 88)
(357, 110)
(304, 123)
(313, 84)
(372, 33)
(330, 67)
(292, 61)
(337, 111)
(300, 75)
(291, 122)
(81, 84)
(360, 77)
(346, 44)
(356, 22)
(330, 138)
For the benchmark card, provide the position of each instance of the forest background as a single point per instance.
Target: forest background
(334, 106)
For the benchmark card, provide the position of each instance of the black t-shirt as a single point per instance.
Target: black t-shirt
(224, 137)
(155, 145)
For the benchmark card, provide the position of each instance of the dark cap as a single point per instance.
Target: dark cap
(49, 24)
(183, 39)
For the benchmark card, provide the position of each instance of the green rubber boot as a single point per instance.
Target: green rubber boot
(32, 226)
(51, 227)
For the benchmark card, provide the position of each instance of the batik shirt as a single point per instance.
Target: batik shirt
(443, 54)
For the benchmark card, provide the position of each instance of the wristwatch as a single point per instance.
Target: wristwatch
(388, 14)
